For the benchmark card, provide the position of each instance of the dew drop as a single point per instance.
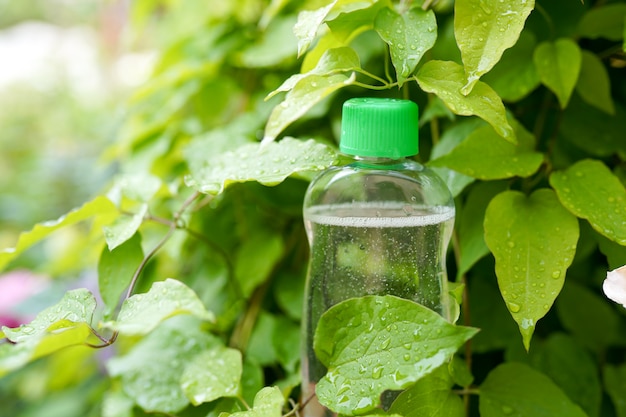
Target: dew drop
(510, 244)
(385, 343)
(507, 410)
(377, 372)
(407, 346)
(513, 307)
(556, 274)
(406, 357)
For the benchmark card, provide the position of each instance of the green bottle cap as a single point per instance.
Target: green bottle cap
(379, 127)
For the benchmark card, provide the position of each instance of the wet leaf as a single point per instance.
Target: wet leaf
(409, 35)
(486, 155)
(141, 313)
(591, 191)
(445, 79)
(305, 94)
(124, 227)
(151, 371)
(533, 240)
(76, 306)
(334, 60)
(212, 374)
(431, 396)
(267, 403)
(516, 390)
(558, 64)
(375, 343)
(268, 164)
(484, 30)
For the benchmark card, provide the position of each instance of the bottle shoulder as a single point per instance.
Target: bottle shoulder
(364, 181)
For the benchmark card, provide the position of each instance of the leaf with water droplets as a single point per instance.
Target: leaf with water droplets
(533, 240)
(516, 390)
(267, 403)
(150, 372)
(409, 35)
(141, 313)
(305, 94)
(377, 343)
(212, 374)
(76, 306)
(333, 61)
(591, 191)
(431, 396)
(268, 164)
(446, 78)
(484, 29)
(100, 206)
(65, 324)
(487, 156)
(124, 227)
(309, 22)
(558, 64)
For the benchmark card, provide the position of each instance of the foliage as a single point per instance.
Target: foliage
(201, 251)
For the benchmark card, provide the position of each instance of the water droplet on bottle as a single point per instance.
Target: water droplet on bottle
(513, 307)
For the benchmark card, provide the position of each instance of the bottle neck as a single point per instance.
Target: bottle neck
(372, 161)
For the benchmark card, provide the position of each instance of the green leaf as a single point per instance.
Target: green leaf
(409, 35)
(591, 191)
(334, 60)
(558, 64)
(304, 95)
(347, 26)
(573, 369)
(486, 155)
(268, 164)
(116, 269)
(431, 396)
(117, 404)
(308, 24)
(375, 343)
(141, 313)
(445, 79)
(472, 246)
(484, 30)
(581, 122)
(274, 45)
(76, 306)
(606, 22)
(267, 403)
(594, 85)
(139, 187)
(533, 240)
(515, 75)
(151, 371)
(62, 325)
(124, 227)
(516, 390)
(256, 258)
(615, 383)
(595, 327)
(100, 206)
(60, 335)
(212, 374)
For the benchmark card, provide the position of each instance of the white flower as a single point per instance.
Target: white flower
(614, 285)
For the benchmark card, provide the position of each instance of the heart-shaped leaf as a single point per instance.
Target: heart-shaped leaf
(533, 240)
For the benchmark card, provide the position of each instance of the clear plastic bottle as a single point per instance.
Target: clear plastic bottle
(380, 225)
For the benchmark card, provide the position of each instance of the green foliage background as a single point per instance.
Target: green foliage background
(523, 112)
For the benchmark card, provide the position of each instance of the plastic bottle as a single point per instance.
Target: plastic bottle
(380, 225)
